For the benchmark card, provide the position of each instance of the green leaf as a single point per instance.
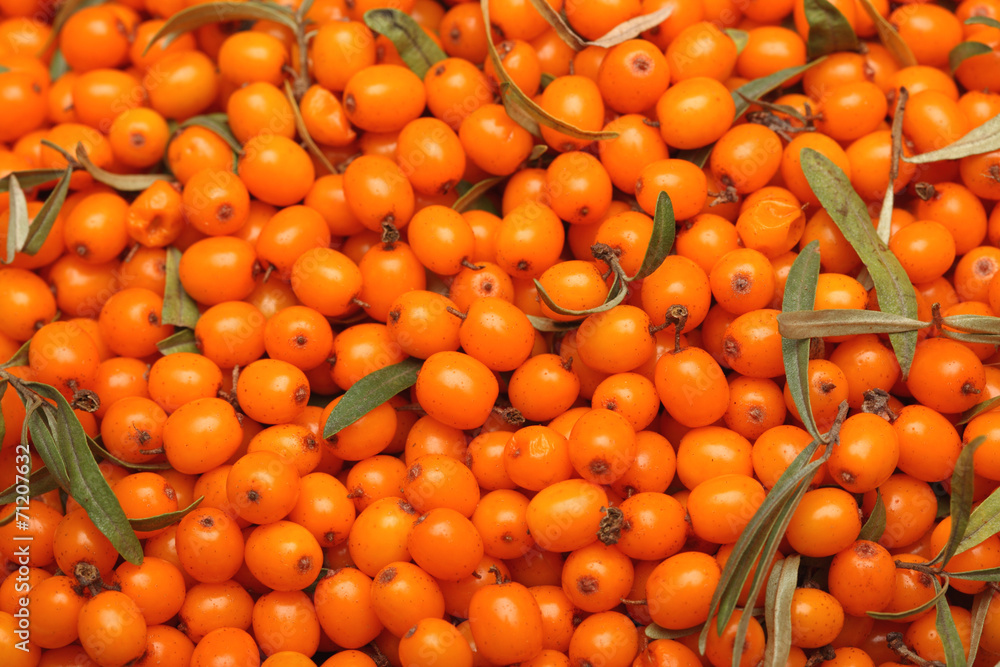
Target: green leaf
(662, 240)
(954, 652)
(982, 20)
(964, 51)
(654, 631)
(889, 37)
(98, 449)
(984, 522)
(631, 29)
(19, 358)
(57, 65)
(196, 16)
(980, 607)
(919, 609)
(803, 324)
(178, 308)
(417, 50)
(975, 411)
(30, 178)
(983, 139)
(739, 37)
(988, 574)
(560, 25)
(546, 80)
(300, 126)
(961, 501)
(829, 30)
(884, 229)
(743, 97)
(755, 542)
(370, 392)
(842, 203)
(524, 110)
(164, 520)
(125, 182)
(219, 124)
(778, 610)
(181, 341)
(62, 443)
(19, 222)
(800, 294)
(988, 324)
(470, 196)
(875, 525)
(961, 336)
(545, 324)
(616, 295)
(39, 481)
(46, 216)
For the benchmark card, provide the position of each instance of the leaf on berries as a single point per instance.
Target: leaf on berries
(525, 111)
(984, 522)
(61, 442)
(778, 610)
(470, 196)
(197, 16)
(919, 609)
(802, 324)
(829, 30)
(98, 449)
(889, 36)
(632, 28)
(370, 392)
(218, 123)
(30, 178)
(964, 51)
(46, 216)
(983, 20)
(179, 308)
(19, 222)
(954, 651)
(760, 539)
(544, 324)
(559, 24)
(654, 631)
(895, 292)
(980, 608)
(800, 295)
(121, 182)
(165, 519)
(984, 324)
(181, 341)
(415, 47)
(300, 126)
(983, 139)
(875, 525)
(616, 295)
(57, 65)
(662, 240)
(739, 37)
(743, 97)
(19, 358)
(962, 487)
(40, 481)
(884, 228)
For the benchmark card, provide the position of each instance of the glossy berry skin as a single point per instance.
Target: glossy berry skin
(506, 623)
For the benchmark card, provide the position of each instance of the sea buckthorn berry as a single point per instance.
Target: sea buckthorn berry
(209, 545)
(653, 526)
(722, 506)
(817, 618)
(435, 641)
(616, 340)
(984, 555)
(284, 556)
(28, 302)
(251, 56)
(711, 451)
(632, 76)
(272, 391)
(638, 143)
(262, 487)
(692, 386)
(112, 614)
(543, 387)
(695, 112)
(684, 183)
(377, 191)
(911, 589)
(445, 544)
(143, 495)
(772, 226)
(928, 443)
(720, 648)
(437, 480)
(826, 522)
(403, 595)
(346, 593)
(201, 435)
(77, 540)
(536, 457)
(862, 577)
(679, 591)
(138, 137)
(575, 100)
(276, 170)
(548, 510)
(383, 98)
(827, 390)
(579, 188)
(751, 344)
(493, 141)
(922, 633)
(867, 453)
(631, 395)
(746, 157)
(602, 446)
(456, 389)
(716, 51)
(946, 376)
(65, 356)
(742, 280)
(506, 623)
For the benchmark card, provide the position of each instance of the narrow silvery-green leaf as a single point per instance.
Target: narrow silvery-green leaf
(631, 28)
(800, 295)
(889, 198)
(300, 127)
(40, 481)
(654, 631)
(954, 651)
(739, 37)
(778, 611)
(983, 139)
(919, 609)
(218, 123)
(19, 222)
(470, 196)
(126, 182)
(196, 16)
(178, 307)
(616, 295)
(889, 36)
(875, 525)
(101, 452)
(545, 324)
(980, 608)
(964, 51)
(984, 522)
(30, 178)
(662, 239)
(181, 341)
(802, 324)
(19, 358)
(46, 216)
(370, 392)
(961, 501)
(164, 520)
(976, 410)
(829, 30)
(982, 20)
(895, 292)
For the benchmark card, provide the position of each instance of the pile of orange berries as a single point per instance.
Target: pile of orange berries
(261, 218)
